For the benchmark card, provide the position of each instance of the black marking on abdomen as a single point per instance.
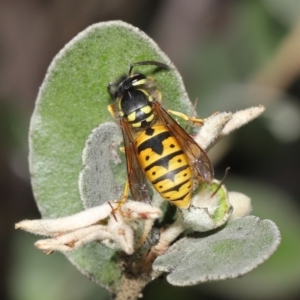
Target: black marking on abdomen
(149, 131)
(155, 143)
(164, 161)
(175, 188)
(170, 175)
(180, 198)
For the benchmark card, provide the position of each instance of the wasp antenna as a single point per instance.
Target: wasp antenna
(148, 63)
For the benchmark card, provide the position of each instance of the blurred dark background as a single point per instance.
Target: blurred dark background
(232, 55)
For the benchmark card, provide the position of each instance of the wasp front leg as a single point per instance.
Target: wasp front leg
(113, 110)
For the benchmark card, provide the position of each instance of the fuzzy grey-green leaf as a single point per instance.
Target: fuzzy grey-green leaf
(97, 184)
(231, 252)
(72, 102)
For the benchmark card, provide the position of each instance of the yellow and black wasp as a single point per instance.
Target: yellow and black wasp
(157, 148)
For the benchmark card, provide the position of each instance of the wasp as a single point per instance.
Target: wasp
(157, 148)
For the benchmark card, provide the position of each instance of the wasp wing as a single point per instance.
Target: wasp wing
(198, 158)
(136, 177)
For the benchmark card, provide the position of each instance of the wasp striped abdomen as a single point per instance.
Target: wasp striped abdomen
(165, 164)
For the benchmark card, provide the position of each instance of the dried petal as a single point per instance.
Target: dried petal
(241, 205)
(241, 118)
(211, 129)
(73, 240)
(52, 227)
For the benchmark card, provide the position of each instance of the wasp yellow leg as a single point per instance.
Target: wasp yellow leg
(122, 149)
(124, 198)
(194, 120)
(112, 110)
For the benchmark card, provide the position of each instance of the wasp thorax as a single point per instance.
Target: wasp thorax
(136, 108)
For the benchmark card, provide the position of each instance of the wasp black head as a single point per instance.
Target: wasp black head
(127, 82)
(134, 96)
(124, 84)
